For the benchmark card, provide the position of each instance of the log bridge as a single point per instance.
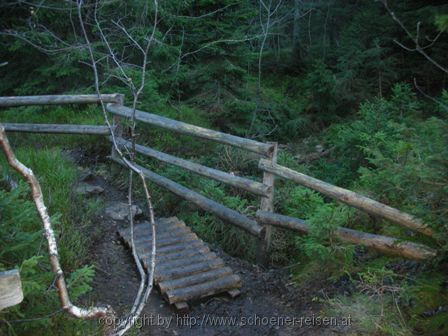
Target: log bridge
(186, 270)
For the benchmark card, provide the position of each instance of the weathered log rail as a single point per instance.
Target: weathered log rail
(202, 202)
(348, 197)
(58, 100)
(380, 243)
(265, 219)
(254, 187)
(13, 101)
(56, 128)
(188, 129)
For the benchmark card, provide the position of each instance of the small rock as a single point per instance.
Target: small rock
(120, 211)
(88, 189)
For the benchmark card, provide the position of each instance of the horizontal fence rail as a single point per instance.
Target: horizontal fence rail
(59, 100)
(202, 202)
(251, 186)
(56, 128)
(348, 197)
(188, 129)
(380, 243)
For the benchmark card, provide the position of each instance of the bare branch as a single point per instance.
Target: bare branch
(206, 14)
(38, 46)
(418, 48)
(143, 294)
(438, 102)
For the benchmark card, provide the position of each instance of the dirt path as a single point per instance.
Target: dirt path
(268, 304)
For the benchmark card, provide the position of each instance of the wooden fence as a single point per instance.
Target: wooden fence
(260, 226)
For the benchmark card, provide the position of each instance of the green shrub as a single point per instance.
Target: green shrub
(424, 299)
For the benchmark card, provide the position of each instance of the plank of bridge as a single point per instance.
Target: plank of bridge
(186, 259)
(167, 264)
(170, 221)
(165, 223)
(161, 237)
(146, 230)
(167, 244)
(194, 279)
(197, 291)
(145, 227)
(143, 231)
(186, 270)
(144, 247)
(185, 267)
(190, 252)
(190, 264)
(180, 247)
(146, 258)
(147, 238)
(176, 239)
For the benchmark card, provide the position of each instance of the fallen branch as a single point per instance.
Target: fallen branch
(67, 305)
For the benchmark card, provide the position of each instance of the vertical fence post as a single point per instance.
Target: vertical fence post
(117, 123)
(267, 204)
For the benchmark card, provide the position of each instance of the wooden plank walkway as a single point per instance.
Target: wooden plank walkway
(186, 269)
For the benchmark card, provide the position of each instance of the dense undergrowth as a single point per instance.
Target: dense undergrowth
(341, 84)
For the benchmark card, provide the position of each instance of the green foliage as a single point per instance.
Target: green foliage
(397, 153)
(374, 308)
(302, 203)
(320, 245)
(393, 151)
(322, 224)
(320, 84)
(79, 280)
(442, 22)
(15, 209)
(284, 115)
(391, 146)
(232, 239)
(423, 299)
(369, 315)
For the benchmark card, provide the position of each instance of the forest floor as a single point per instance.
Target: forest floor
(269, 304)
